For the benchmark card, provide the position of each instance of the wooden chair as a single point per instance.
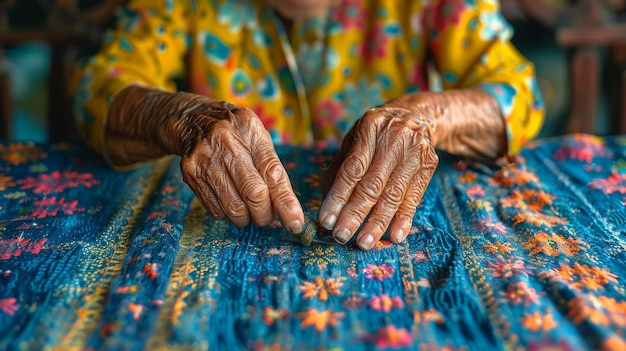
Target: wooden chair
(585, 27)
(67, 28)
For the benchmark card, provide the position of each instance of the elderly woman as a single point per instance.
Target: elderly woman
(267, 72)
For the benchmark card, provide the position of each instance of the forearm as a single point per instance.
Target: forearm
(144, 124)
(464, 122)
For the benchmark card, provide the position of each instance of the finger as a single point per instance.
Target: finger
(253, 190)
(279, 186)
(230, 201)
(203, 191)
(366, 194)
(403, 219)
(331, 172)
(226, 146)
(352, 170)
(388, 204)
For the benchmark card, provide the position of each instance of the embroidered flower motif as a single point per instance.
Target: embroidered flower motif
(15, 247)
(615, 183)
(446, 14)
(5, 182)
(58, 181)
(384, 271)
(600, 310)
(506, 269)
(580, 276)
(319, 319)
(553, 245)
(271, 315)
(520, 292)
(385, 303)
(19, 153)
(9, 306)
(392, 337)
(50, 207)
(536, 322)
(322, 288)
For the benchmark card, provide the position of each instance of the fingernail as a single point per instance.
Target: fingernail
(329, 222)
(366, 241)
(397, 236)
(295, 227)
(342, 235)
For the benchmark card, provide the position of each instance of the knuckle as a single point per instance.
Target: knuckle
(274, 171)
(372, 187)
(355, 166)
(379, 223)
(256, 194)
(235, 209)
(394, 194)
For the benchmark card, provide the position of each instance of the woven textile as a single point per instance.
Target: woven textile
(502, 256)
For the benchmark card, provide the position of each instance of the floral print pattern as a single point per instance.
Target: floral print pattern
(360, 54)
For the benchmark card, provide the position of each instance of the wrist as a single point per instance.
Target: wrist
(422, 107)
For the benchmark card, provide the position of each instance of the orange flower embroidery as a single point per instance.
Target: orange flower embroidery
(271, 315)
(536, 322)
(322, 288)
(313, 179)
(553, 245)
(533, 200)
(599, 310)
(581, 276)
(537, 219)
(467, 177)
(509, 176)
(319, 319)
(19, 153)
(5, 182)
(497, 248)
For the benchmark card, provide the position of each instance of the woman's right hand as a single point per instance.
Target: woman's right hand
(228, 158)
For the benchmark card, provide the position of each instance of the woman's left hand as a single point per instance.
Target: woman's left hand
(378, 178)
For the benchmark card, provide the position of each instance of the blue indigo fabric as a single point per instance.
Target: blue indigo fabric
(522, 255)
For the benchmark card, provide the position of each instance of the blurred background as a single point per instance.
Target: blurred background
(578, 47)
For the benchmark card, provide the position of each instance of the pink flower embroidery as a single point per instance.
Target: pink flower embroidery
(392, 337)
(58, 181)
(9, 306)
(14, 247)
(615, 183)
(379, 273)
(51, 206)
(385, 303)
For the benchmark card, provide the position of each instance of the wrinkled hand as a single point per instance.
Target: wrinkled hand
(382, 170)
(229, 161)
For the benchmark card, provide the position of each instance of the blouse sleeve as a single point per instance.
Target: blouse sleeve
(470, 44)
(147, 47)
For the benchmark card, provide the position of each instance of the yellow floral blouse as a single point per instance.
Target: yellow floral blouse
(317, 80)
